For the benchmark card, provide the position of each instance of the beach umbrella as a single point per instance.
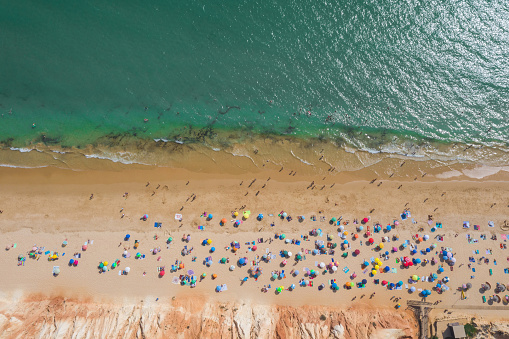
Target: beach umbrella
(357, 252)
(242, 261)
(384, 282)
(232, 268)
(315, 251)
(114, 265)
(218, 288)
(365, 220)
(212, 249)
(105, 268)
(341, 228)
(188, 238)
(356, 236)
(56, 270)
(364, 281)
(209, 241)
(101, 265)
(322, 265)
(365, 263)
(334, 268)
(428, 250)
(387, 269)
(345, 242)
(64, 243)
(412, 289)
(386, 252)
(371, 240)
(285, 214)
(400, 283)
(84, 247)
(254, 248)
(235, 214)
(161, 273)
(453, 260)
(346, 233)
(469, 285)
(415, 277)
(282, 236)
(296, 273)
(279, 290)
(190, 272)
(223, 260)
(373, 272)
(389, 227)
(445, 279)
(449, 254)
(391, 285)
(435, 276)
(394, 249)
(425, 237)
(414, 251)
(441, 270)
(292, 286)
(404, 245)
(71, 261)
(127, 237)
(299, 257)
(223, 221)
(214, 276)
(377, 267)
(208, 263)
(127, 269)
(245, 215)
(289, 254)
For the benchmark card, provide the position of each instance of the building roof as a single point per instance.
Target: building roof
(458, 331)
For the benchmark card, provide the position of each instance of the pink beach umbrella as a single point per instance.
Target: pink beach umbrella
(84, 247)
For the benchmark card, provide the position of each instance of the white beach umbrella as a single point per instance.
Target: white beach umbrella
(289, 254)
(127, 269)
(322, 265)
(232, 268)
(334, 268)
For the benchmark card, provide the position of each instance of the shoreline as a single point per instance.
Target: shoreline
(345, 153)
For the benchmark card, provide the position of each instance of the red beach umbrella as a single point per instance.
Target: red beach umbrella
(161, 273)
(371, 240)
(357, 252)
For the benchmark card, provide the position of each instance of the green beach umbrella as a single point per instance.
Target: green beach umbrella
(334, 219)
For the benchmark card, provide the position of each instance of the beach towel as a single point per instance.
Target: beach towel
(439, 225)
(157, 224)
(201, 228)
(346, 269)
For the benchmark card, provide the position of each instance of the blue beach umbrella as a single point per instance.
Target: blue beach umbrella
(428, 250)
(389, 227)
(365, 263)
(400, 283)
(364, 281)
(441, 270)
(260, 216)
(212, 249)
(387, 269)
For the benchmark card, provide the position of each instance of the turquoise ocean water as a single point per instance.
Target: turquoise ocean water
(355, 71)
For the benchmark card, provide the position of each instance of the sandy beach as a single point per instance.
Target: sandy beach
(42, 208)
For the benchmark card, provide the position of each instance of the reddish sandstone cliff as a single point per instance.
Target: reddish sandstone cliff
(59, 318)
